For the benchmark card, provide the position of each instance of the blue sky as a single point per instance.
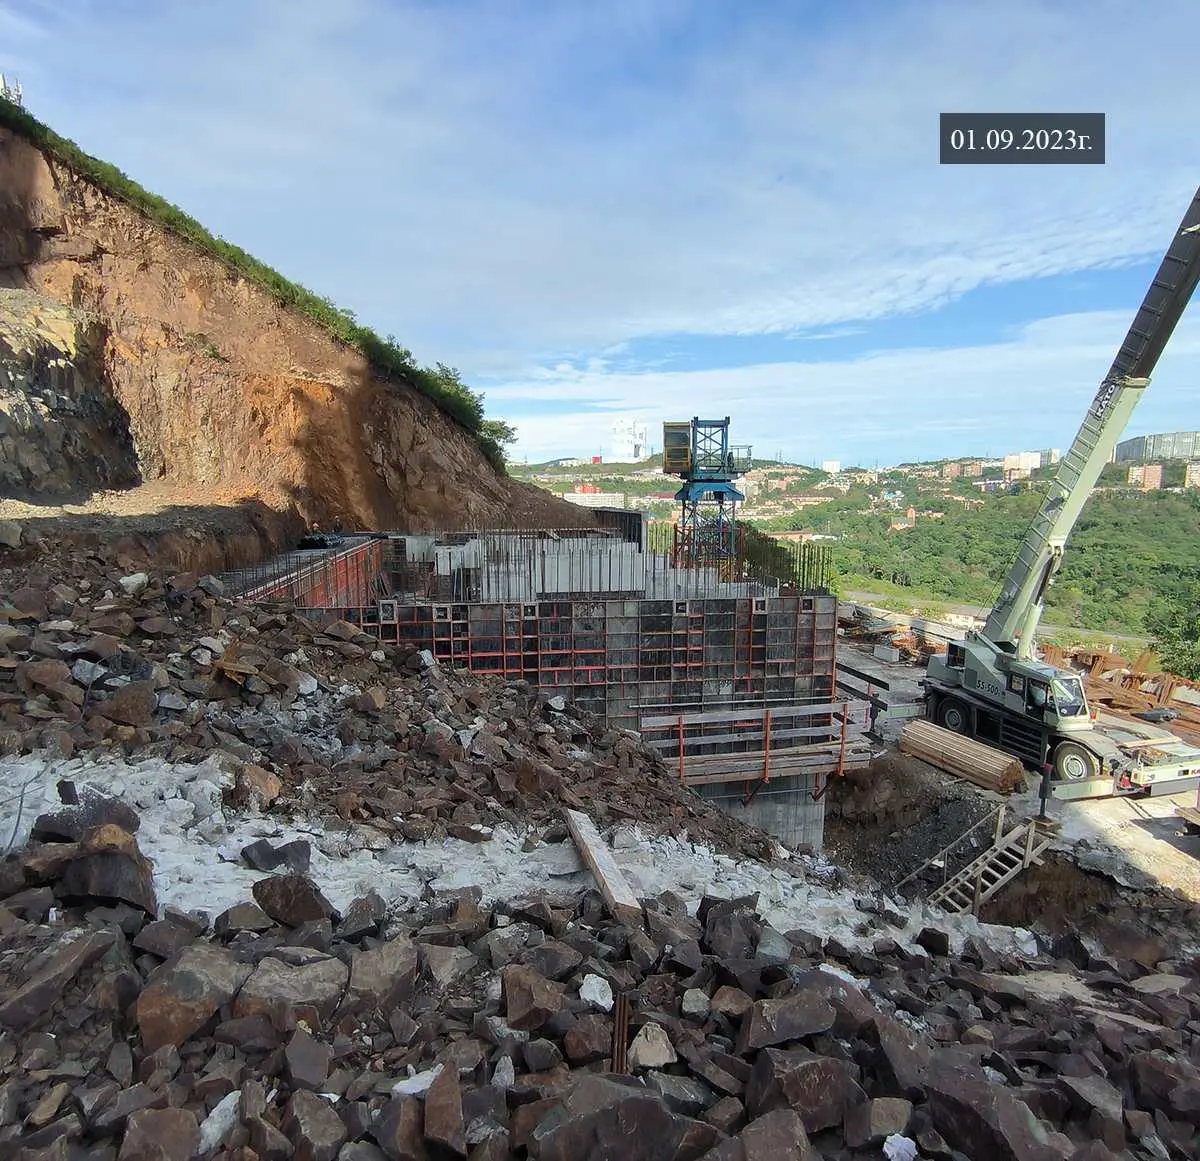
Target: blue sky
(654, 209)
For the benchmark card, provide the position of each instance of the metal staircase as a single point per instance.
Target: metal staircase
(998, 866)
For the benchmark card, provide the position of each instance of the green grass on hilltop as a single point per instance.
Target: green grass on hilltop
(442, 385)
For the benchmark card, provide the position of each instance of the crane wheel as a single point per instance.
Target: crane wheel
(1074, 763)
(954, 715)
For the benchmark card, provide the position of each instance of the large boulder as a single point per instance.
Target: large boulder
(283, 992)
(382, 977)
(778, 1136)
(601, 1118)
(982, 1119)
(185, 993)
(820, 1088)
(794, 1017)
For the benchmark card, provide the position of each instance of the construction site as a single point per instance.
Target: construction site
(728, 671)
(491, 827)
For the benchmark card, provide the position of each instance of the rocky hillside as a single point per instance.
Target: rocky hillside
(128, 355)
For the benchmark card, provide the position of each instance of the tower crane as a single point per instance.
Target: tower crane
(991, 685)
(701, 454)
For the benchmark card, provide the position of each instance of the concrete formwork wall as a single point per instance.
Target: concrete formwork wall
(508, 568)
(348, 578)
(624, 659)
(648, 639)
(784, 807)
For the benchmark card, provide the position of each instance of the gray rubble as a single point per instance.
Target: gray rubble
(544, 1028)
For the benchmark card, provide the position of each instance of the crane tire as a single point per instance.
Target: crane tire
(1074, 763)
(955, 716)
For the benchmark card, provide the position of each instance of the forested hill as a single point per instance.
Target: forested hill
(1128, 552)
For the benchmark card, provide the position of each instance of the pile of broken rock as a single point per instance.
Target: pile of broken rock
(545, 1028)
(314, 715)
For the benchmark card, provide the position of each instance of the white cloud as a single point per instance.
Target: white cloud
(1029, 391)
(505, 185)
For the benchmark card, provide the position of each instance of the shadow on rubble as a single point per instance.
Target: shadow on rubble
(183, 538)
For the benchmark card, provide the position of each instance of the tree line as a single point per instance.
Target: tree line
(1130, 566)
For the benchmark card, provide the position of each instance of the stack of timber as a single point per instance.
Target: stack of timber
(915, 647)
(983, 765)
(761, 743)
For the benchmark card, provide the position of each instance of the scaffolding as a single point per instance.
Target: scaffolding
(735, 680)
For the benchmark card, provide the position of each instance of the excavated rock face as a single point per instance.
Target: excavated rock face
(220, 390)
(63, 435)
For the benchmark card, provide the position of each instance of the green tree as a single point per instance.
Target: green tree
(1175, 622)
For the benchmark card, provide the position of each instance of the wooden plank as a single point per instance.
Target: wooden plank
(829, 766)
(796, 753)
(671, 744)
(1147, 743)
(1183, 728)
(749, 714)
(976, 762)
(878, 682)
(614, 887)
(750, 766)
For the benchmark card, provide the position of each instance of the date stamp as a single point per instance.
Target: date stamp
(1022, 138)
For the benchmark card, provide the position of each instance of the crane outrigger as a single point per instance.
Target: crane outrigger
(991, 685)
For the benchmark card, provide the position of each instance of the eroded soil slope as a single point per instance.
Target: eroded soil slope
(227, 393)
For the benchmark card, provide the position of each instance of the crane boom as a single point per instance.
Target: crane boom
(1013, 621)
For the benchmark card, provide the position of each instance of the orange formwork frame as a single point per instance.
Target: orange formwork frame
(336, 580)
(627, 657)
(829, 745)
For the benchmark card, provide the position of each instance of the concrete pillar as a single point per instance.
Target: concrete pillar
(784, 807)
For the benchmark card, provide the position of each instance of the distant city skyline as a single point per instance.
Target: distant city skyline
(626, 433)
(628, 438)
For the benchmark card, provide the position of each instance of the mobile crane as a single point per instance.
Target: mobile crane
(991, 685)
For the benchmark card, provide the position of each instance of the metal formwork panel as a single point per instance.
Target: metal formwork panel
(613, 654)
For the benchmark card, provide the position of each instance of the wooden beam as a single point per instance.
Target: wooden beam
(749, 714)
(780, 773)
(878, 682)
(614, 887)
(671, 745)
(782, 755)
